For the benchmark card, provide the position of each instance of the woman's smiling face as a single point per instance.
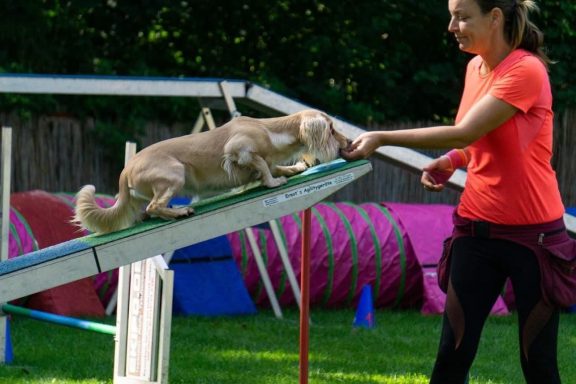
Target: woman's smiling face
(470, 26)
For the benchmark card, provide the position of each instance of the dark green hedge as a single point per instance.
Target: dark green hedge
(365, 60)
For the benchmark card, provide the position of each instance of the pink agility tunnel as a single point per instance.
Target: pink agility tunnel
(21, 239)
(39, 219)
(352, 245)
(428, 225)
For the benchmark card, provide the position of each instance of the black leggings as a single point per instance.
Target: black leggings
(479, 269)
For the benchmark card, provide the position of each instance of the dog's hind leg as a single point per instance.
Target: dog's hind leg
(258, 163)
(163, 193)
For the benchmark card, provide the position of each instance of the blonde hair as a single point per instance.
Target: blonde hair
(519, 31)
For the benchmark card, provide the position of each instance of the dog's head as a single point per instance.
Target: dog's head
(318, 133)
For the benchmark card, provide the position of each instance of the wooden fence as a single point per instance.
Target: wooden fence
(60, 154)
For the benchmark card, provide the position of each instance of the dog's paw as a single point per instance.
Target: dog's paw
(188, 211)
(276, 182)
(182, 212)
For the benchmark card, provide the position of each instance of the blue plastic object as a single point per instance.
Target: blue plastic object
(365, 312)
(8, 352)
(207, 281)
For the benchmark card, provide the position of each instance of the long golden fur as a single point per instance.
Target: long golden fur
(201, 164)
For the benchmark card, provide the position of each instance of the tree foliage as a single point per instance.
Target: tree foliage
(365, 60)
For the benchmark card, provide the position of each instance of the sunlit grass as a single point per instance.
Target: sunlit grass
(264, 350)
(342, 377)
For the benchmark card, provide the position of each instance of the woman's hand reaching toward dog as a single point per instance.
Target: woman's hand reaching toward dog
(363, 146)
(434, 175)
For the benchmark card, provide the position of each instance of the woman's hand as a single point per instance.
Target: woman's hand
(363, 146)
(436, 174)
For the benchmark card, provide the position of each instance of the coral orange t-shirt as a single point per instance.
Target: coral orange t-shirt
(510, 178)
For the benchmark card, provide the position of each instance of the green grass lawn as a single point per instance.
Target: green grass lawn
(262, 349)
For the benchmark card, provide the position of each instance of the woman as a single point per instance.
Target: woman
(503, 135)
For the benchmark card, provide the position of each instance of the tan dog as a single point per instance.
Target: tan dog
(202, 164)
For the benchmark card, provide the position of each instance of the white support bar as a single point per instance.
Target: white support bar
(123, 294)
(208, 119)
(5, 226)
(6, 169)
(263, 273)
(165, 330)
(117, 86)
(167, 256)
(111, 306)
(224, 88)
(199, 124)
(274, 227)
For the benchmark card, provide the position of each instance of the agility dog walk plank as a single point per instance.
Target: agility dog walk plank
(90, 255)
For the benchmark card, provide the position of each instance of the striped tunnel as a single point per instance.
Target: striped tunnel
(352, 245)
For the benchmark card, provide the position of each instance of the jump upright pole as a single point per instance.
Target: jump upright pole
(305, 295)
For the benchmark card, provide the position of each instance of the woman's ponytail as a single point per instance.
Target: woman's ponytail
(519, 30)
(523, 33)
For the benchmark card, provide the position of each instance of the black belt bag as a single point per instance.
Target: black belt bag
(554, 248)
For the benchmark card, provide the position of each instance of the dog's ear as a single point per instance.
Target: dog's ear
(315, 131)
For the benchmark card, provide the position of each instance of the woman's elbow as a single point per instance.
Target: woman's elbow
(462, 143)
(464, 138)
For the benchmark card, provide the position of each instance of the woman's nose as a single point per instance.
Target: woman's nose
(453, 25)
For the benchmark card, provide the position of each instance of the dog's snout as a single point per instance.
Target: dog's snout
(346, 145)
(345, 148)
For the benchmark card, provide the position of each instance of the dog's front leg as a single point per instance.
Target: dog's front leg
(290, 170)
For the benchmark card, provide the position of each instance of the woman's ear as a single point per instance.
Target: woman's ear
(496, 17)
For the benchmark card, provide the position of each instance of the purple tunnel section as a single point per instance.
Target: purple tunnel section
(39, 219)
(392, 247)
(352, 245)
(428, 226)
(21, 239)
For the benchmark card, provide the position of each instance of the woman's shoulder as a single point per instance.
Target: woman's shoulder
(522, 60)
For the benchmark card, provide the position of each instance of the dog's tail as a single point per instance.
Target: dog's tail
(89, 215)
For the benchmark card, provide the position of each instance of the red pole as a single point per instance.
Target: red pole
(305, 295)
